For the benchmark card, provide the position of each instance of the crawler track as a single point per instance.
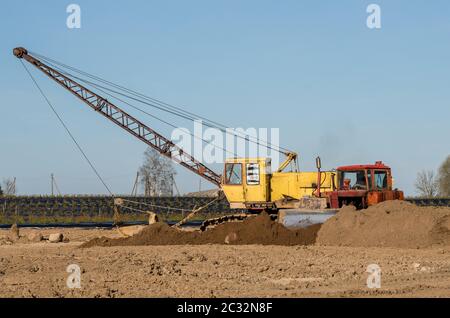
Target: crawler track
(224, 219)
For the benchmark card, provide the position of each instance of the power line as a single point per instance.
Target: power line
(67, 129)
(102, 89)
(177, 111)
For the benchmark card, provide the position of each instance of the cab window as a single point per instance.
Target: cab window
(381, 180)
(253, 174)
(355, 180)
(233, 173)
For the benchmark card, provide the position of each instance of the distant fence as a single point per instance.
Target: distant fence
(99, 206)
(102, 206)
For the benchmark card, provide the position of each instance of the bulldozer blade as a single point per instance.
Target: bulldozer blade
(301, 218)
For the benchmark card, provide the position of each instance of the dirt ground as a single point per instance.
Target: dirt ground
(39, 270)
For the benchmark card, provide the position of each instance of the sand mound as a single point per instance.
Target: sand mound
(390, 224)
(257, 230)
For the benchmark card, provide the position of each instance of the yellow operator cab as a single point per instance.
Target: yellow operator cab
(250, 183)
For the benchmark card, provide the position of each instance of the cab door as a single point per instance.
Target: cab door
(233, 183)
(255, 183)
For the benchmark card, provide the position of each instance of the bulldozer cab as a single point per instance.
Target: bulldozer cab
(365, 177)
(363, 185)
(246, 180)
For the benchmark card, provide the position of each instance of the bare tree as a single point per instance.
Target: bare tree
(156, 174)
(9, 186)
(444, 178)
(427, 184)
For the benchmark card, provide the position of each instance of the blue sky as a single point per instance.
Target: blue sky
(311, 68)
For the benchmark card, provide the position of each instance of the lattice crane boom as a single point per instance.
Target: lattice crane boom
(127, 122)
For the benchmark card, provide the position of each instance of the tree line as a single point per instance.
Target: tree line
(157, 178)
(8, 187)
(430, 184)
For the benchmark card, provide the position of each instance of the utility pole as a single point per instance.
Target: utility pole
(54, 185)
(135, 186)
(175, 185)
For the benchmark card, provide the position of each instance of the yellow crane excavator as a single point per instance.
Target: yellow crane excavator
(247, 183)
